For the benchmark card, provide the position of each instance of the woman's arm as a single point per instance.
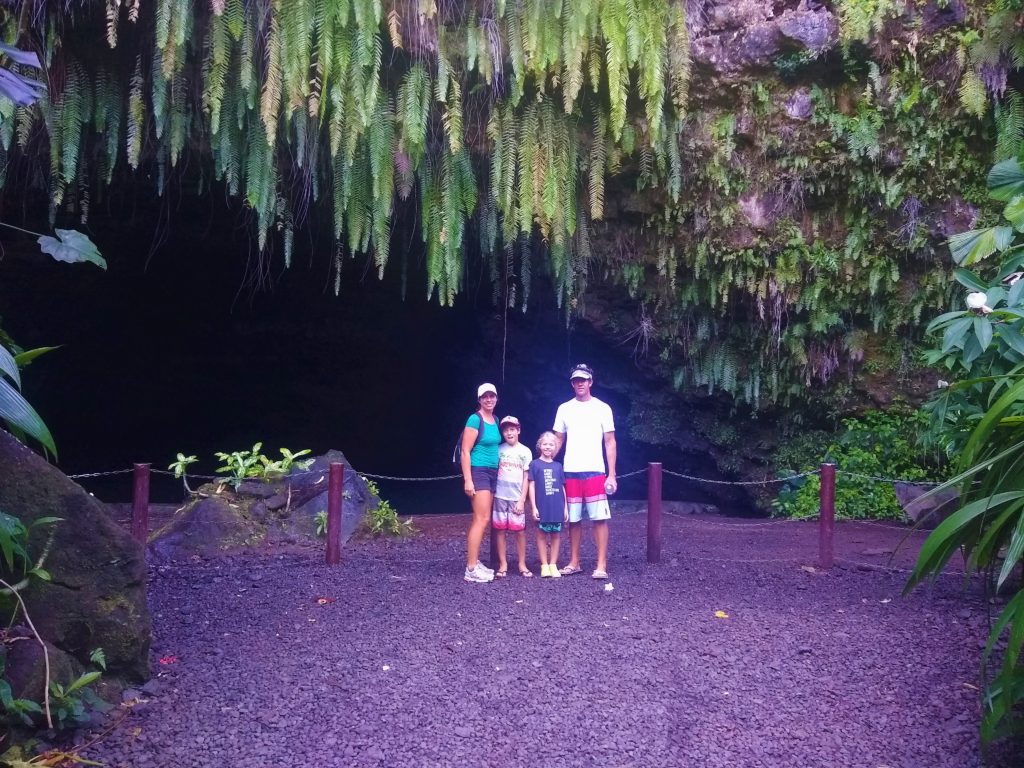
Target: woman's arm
(468, 441)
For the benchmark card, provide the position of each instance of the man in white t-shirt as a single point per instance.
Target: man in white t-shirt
(586, 427)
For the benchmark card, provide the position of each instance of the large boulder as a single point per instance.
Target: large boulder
(97, 596)
(923, 506)
(223, 519)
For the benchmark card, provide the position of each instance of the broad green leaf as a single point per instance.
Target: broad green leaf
(11, 530)
(1014, 295)
(26, 357)
(947, 537)
(9, 366)
(976, 244)
(16, 411)
(972, 350)
(935, 324)
(1012, 337)
(983, 331)
(71, 246)
(1013, 552)
(1014, 212)
(970, 280)
(989, 422)
(995, 295)
(954, 335)
(1006, 180)
(84, 680)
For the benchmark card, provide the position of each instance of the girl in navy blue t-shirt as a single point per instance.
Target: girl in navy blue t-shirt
(547, 498)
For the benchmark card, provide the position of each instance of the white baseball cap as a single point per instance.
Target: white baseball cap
(484, 389)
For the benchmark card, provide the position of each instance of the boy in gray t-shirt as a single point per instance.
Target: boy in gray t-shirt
(509, 511)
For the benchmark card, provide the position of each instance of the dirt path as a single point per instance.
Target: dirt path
(392, 660)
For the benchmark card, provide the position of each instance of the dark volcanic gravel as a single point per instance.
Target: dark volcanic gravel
(401, 663)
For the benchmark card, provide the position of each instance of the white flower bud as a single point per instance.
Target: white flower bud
(975, 300)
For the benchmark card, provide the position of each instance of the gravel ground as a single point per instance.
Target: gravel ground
(390, 659)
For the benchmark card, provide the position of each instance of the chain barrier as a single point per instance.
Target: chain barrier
(98, 474)
(742, 482)
(884, 479)
(681, 475)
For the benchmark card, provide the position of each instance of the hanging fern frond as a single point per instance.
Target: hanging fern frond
(270, 99)
(597, 167)
(1009, 118)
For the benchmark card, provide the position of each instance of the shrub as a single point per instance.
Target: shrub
(877, 444)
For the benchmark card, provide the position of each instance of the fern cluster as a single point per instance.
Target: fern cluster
(288, 103)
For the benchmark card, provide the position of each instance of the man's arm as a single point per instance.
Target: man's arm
(560, 438)
(610, 451)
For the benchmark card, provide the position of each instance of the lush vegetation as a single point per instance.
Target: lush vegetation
(64, 704)
(383, 519)
(980, 420)
(877, 444)
(768, 253)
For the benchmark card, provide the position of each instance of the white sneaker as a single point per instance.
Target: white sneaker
(484, 568)
(476, 576)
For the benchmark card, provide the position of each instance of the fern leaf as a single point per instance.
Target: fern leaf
(270, 100)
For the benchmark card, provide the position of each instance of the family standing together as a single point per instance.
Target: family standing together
(503, 481)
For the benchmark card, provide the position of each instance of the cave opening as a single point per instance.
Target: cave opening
(188, 343)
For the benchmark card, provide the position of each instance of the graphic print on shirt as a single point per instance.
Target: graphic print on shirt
(549, 490)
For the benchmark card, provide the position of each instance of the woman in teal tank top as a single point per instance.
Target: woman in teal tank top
(479, 460)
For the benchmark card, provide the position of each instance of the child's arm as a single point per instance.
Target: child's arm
(521, 504)
(533, 500)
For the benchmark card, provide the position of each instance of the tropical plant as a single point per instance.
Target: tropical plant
(320, 523)
(981, 420)
(180, 468)
(14, 540)
(872, 449)
(252, 464)
(383, 519)
(69, 246)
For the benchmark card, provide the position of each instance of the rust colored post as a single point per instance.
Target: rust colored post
(654, 512)
(827, 515)
(335, 483)
(140, 503)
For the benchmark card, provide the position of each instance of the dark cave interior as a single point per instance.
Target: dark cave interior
(174, 349)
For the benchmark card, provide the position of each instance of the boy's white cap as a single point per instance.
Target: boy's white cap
(485, 388)
(509, 420)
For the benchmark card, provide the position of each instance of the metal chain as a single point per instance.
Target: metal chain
(884, 479)
(742, 482)
(408, 479)
(680, 475)
(99, 474)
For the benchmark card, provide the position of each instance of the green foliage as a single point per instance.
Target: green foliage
(979, 420)
(70, 704)
(320, 521)
(877, 444)
(14, 540)
(286, 100)
(383, 519)
(251, 464)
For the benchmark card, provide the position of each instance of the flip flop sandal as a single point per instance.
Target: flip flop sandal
(599, 575)
(500, 574)
(570, 571)
(526, 573)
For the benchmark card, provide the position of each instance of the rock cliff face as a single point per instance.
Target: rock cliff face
(826, 159)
